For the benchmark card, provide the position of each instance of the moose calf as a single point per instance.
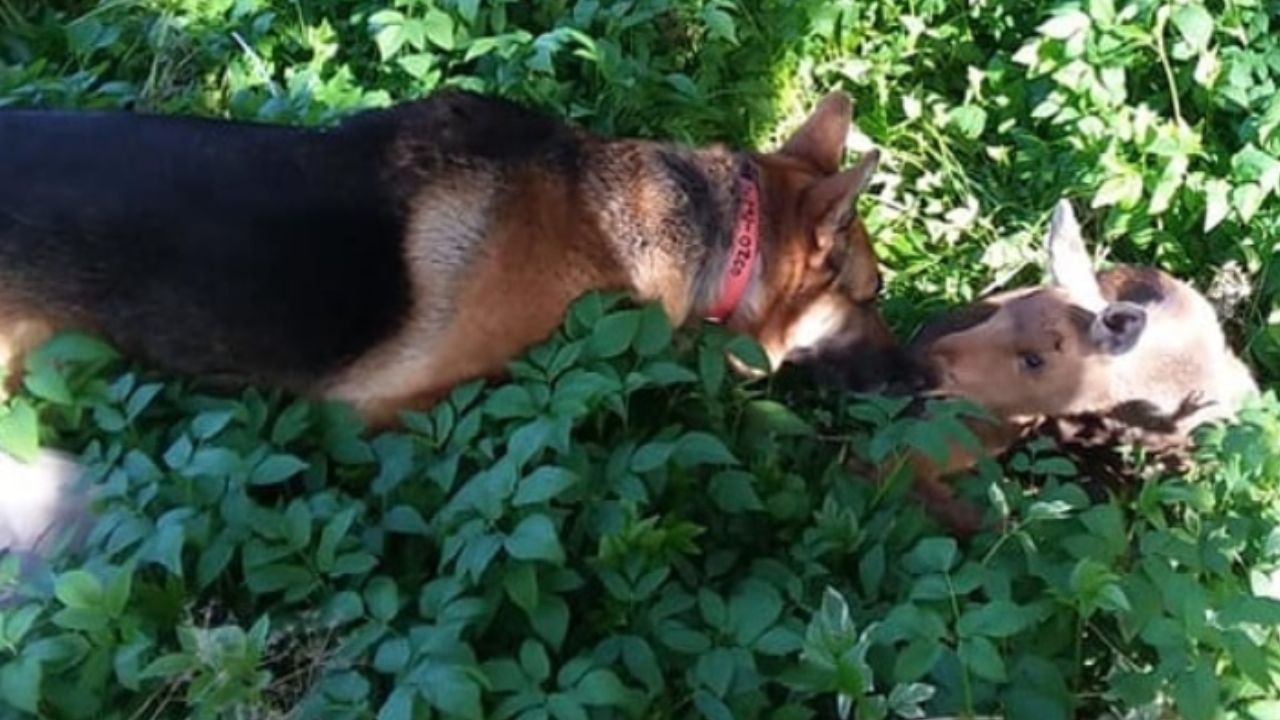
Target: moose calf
(1129, 355)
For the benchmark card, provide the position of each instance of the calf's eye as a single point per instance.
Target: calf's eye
(1031, 360)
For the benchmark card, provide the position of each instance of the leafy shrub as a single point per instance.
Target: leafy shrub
(618, 530)
(622, 529)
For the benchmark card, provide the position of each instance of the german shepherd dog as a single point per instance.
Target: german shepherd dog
(389, 258)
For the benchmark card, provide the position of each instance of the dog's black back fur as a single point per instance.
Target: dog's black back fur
(221, 247)
(286, 237)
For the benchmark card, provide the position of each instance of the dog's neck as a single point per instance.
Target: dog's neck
(741, 263)
(685, 224)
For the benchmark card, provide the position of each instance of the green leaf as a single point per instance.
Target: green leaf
(398, 705)
(983, 659)
(20, 431)
(127, 664)
(1123, 189)
(700, 448)
(682, 639)
(542, 485)
(392, 656)
(388, 32)
(477, 553)
(734, 491)
(382, 597)
(871, 569)
(968, 120)
(1054, 466)
(79, 589)
(345, 687)
(438, 27)
(774, 417)
(90, 621)
(929, 439)
(714, 670)
(753, 610)
(654, 332)
(297, 521)
(1195, 24)
(405, 520)
(1246, 199)
(108, 419)
(720, 24)
(210, 423)
(276, 577)
(20, 622)
(917, 659)
(1217, 204)
(1064, 25)
(1196, 692)
(601, 688)
(276, 469)
(511, 401)
(334, 531)
(932, 555)
(651, 456)
(534, 661)
(179, 453)
(521, 584)
(748, 351)
(614, 333)
(292, 423)
(342, 608)
(529, 440)
(998, 619)
(1264, 710)
(1038, 690)
(1102, 11)
(905, 700)
(20, 681)
(46, 381)
(779, 640)
(565, 707)
(75, 348)
(535, 538)
(711, 707)
(167, 666)
(642, 662)
(1170, 180)
(551, 619)
(115, 596)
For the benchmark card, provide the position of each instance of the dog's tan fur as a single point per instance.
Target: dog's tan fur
(492, 280)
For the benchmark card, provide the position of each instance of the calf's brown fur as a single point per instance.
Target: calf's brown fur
(387, 259)
(1128, 355)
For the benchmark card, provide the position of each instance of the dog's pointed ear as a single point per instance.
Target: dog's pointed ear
(828, 204)
(1070, 266)
(821, 139)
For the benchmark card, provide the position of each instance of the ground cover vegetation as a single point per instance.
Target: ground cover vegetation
(623, 528)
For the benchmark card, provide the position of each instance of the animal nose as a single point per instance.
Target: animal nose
(909, 376)
(859, 368)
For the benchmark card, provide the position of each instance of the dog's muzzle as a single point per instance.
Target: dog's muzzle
(858, 368)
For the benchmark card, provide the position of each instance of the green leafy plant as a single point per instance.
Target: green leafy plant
(623, 528)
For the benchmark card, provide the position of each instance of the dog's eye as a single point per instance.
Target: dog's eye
(1031, 361)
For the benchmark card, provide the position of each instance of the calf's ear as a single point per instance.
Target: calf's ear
(1070, 266)
(1117, 328)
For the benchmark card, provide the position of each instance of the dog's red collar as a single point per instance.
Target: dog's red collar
(744, 253)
